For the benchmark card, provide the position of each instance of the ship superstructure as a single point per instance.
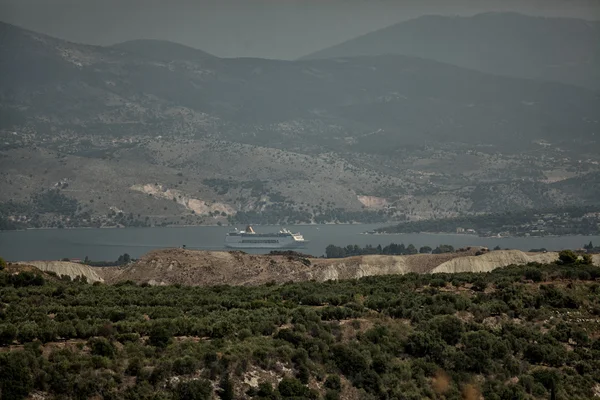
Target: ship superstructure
(248, 239)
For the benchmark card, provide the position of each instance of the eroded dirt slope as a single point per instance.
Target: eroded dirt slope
(189, 267)
(66, 268)
(495, 259)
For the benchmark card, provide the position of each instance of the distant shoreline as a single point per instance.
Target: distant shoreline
(312, 224)
(477, 236)
(194, 226)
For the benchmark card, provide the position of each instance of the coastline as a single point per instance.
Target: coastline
(478, 236)
(196, 225)
(454, 234)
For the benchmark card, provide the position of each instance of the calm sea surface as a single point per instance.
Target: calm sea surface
(108, 244)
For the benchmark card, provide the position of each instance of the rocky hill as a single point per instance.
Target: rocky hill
(558, 49)
(150, 133)
(209, 268)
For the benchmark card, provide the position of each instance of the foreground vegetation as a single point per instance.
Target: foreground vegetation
(521, 332)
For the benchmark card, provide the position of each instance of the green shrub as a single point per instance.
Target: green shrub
(160, 336)
(8, 333)
(198, 389)
(161, 372)
(333, 382)
(128, 337)
(567, 257)
(102, 347)
(448, 327)
(15, 376)
(421, 344)
(226, 389)
(332, 395)
(534, 275)
(550, 378)
(349, 360)
(479, 285)
(290, 387)
(185, 365)
(265, 389)
(26, 278)
(134, 366)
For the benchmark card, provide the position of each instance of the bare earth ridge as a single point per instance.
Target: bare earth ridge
(207, 268)
(70, 269)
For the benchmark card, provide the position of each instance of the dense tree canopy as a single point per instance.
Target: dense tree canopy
(333, 251)
(501, 335)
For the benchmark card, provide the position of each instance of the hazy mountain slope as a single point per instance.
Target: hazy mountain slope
(162, 50)
(586, 187)
(183, 181)
(145, 136)
(559, 49)
(95, 90)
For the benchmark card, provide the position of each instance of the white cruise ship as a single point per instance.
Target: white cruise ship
(249, 239)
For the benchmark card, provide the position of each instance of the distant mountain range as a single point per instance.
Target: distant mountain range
(155, 129)
(556, 49)
(131, 87)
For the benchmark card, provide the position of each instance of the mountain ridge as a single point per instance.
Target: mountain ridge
(162, 49)
(229, 88)
(512, 44)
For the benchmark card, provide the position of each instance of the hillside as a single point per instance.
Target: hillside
(556, 49)
(203, 268)
(144, 88)
(152, 133)
(527, 332)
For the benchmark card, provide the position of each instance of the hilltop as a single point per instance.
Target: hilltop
(557, 49)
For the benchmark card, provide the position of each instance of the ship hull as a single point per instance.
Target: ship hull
(281, 245)
(287, 245)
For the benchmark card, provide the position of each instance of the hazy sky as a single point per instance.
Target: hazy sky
(283, 29)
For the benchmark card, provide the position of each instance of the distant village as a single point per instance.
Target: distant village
(548, 224)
